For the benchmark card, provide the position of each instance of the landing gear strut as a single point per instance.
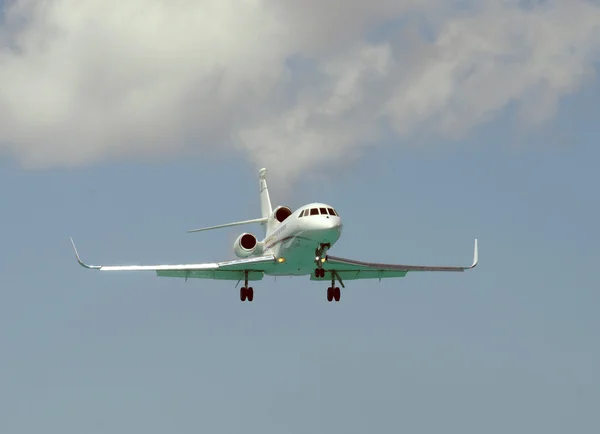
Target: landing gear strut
(320, 254)
(245, 291)
(333, 292)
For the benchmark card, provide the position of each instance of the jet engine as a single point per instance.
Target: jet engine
(281, 213)
(245, 245)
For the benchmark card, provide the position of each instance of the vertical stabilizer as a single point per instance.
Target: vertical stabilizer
(265, 201)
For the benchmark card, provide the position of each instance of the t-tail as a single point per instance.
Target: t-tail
(265, 201)
(270, 218)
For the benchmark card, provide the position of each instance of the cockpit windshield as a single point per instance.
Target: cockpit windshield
(318, 211)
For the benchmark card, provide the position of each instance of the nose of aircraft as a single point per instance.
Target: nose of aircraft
(333, 226)
(325, 229)
(330, 223)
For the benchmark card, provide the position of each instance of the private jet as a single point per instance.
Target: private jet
(295, 243)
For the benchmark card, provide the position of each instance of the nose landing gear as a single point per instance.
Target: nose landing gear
(333, 292)
(320, 254)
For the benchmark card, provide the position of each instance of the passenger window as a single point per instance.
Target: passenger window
(314, 211)
(323, 211)
(330, 211)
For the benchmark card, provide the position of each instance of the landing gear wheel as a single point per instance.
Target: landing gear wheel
(333, 292)
(320, 257)
(246, 293)
(329, 294)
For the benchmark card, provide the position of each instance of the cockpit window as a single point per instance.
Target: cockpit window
(315, 211)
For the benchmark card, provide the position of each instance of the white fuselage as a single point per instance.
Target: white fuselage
(295, 241)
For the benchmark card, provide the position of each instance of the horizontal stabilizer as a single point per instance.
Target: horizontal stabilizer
(245, 222)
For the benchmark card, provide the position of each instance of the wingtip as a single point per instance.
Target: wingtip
(75, 249)
(475, 255)
(83, 264)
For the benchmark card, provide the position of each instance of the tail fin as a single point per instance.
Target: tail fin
(265, 201)
(265, 208)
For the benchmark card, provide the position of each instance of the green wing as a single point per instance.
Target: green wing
(349, 269)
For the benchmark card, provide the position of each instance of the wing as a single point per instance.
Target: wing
(228, 270)
(350, 269)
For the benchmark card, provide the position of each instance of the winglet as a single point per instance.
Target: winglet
(95, 267)
(475, 255)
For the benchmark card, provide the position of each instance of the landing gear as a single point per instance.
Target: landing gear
(245, 291)
(333, 292)
(320, 254)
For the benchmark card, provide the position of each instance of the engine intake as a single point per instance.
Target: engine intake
(245, 245)
(282, 213)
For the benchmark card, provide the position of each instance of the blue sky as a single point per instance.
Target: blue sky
(511, 346)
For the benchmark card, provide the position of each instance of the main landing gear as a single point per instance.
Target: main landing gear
(333, 292)
(245, 291)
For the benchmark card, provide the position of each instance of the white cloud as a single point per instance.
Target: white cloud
(84, 81)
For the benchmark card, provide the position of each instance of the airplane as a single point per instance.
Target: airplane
(295, 243)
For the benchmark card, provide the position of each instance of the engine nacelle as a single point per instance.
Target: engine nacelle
(246, 244)
(281, 213)
(277, 217)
